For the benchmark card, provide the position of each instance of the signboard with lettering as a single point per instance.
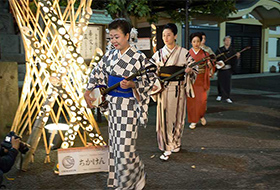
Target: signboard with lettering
(92, 39)
(143, 44)
(82, 160)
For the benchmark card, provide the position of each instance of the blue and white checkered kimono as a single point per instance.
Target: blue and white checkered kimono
(126, 170)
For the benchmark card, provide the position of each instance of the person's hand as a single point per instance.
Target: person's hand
(125, 84)
(220, 63)
(209, 64)
(238, 55)
(154, 88)
(188, 70)
(89, 99)
(15, 143)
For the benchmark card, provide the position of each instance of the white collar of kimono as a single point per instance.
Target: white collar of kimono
(195, 52)
(120, 55)
(170, 50)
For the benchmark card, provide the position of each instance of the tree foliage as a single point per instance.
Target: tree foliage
(64, 3)
(218, 8)
(177, 9)
(127, 8)
(153, 9)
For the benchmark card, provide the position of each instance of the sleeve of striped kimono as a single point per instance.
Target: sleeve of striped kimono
(143, 85)
(98, 75)
(193, 74)
(155, 59)
(190, 78)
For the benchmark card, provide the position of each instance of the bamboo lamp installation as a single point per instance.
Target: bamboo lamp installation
(56, 73)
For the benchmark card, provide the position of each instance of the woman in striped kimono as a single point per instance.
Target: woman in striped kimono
(128, 105)
(171, 102)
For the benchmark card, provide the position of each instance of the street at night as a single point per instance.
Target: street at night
(237, 149)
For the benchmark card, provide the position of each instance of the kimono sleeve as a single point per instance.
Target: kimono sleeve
(190, 77)
(98, 75)
(156, 58)
(143, 86)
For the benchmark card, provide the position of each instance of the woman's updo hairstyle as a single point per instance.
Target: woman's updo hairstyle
(196, 34)
(121, 23)
(172, 27)
(203, 34)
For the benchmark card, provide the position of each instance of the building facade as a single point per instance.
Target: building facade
(256, 24)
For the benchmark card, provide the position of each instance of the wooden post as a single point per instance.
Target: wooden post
(8, 95)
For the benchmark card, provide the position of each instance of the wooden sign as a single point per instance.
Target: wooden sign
(83, 160)
(92, 39)
(143, 44)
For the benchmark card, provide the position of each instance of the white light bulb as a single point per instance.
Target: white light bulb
(68, 56)
(59, 22)
(46, 9)
(61, 31)
(68, 102)
(45, 119)
(48, 60)
(72, 137)
(80, 60)
(54, 19)
(47, 108)
(70, 131)
(71, 48)
(65, 145)
(73, 108)
(89, 128)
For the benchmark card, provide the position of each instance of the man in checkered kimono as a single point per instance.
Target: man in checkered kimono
(128, 106)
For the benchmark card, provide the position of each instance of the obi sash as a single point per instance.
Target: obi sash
(119, 92)
(167, 71)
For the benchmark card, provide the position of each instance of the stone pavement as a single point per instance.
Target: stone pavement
(239, 148)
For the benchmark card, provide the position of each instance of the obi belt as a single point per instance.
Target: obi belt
(167, 71)
(119, 92)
